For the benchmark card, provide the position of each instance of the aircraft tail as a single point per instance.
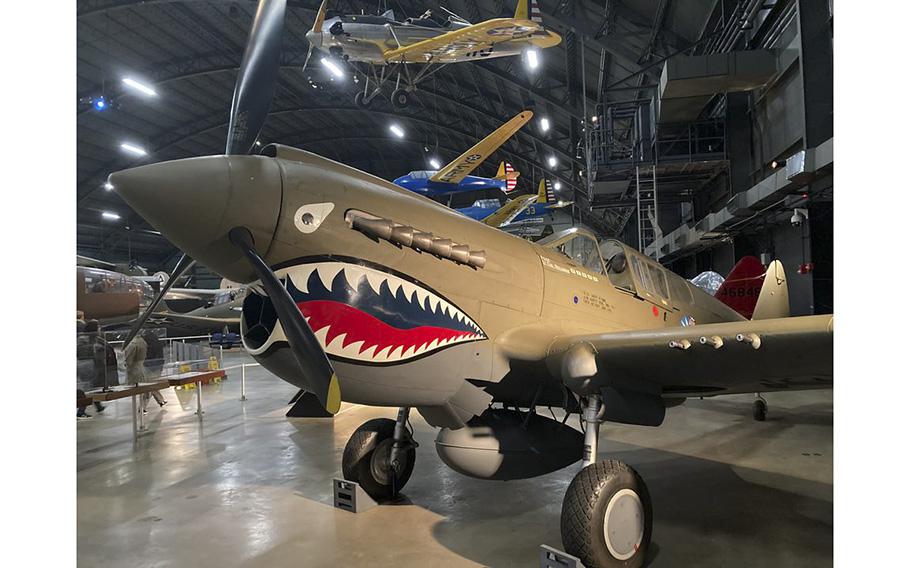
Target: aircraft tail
(774, 298)
(528, 10)
(545, 192)
(507, 172)
(742, 286)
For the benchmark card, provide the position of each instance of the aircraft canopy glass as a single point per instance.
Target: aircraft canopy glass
(579, 246)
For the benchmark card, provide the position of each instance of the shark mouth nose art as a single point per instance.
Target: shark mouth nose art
(361, 313)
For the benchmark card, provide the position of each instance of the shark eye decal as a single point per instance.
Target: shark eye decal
(366, 315)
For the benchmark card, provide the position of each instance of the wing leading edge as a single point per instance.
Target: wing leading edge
(457, 169)
(725, 358)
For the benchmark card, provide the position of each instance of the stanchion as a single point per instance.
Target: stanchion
(243, 382)
(199, 399)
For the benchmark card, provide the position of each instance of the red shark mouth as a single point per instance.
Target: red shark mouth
(370, 336)
(361, 314)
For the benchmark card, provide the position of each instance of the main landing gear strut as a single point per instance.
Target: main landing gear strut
(380, 456)
(606, 512)
(405, 83)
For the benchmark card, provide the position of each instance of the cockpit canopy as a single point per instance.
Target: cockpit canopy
(422, 174)
(626, 268)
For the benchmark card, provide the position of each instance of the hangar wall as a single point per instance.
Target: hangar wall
(791, 113)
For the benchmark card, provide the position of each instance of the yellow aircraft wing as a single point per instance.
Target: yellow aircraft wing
(451, 45)
(509, 211)
(464, 164)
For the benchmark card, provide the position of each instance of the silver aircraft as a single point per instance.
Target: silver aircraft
(388, 46)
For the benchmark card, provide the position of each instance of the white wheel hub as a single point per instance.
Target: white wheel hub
(624, 524)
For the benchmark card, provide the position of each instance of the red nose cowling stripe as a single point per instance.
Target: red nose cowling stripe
(360, 326)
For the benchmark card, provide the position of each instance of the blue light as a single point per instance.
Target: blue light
(100, 103)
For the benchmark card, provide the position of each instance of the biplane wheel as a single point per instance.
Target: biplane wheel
(366, 459)
(759, 410)
(400, 98)
(606, 516)
(360, 100)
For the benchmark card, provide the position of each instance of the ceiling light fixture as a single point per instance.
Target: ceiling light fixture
(110, 216)
(544, 124)
(434, 163)
(136, 85)
(552, 161)
(396, 130)
(532, 58)
(133, 149)
(333, 67)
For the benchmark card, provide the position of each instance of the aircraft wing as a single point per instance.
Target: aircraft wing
(736, 357)
(94, 263)
(464, 164)
(197, 324)
(448, 46)
(509, 211)
(192, 293)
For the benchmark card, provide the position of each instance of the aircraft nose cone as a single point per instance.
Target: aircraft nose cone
(196, 201)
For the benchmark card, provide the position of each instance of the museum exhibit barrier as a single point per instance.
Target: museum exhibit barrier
(103, 372)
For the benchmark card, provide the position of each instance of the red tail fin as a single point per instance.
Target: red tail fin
(510, 183)
(742, 286)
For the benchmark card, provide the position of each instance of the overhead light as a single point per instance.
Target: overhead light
(133, 149)
(544, 124)
(594, 118)
(552, 161)
(108, 186)
(396, 130)
(109, 215)
(532, 58)
(333, 67)
(557, 186)
(774, 165)
(136, 85)
(435, 163)
(100, 103)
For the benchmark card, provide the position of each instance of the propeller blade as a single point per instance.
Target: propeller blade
(306, 61)
(183, 265)
(317, 370)
(258, 76)
(320, 17)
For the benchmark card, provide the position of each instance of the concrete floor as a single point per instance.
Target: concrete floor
(248, 487)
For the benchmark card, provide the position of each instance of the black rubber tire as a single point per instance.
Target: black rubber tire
(759, 410)
(584, 507)
(363, 441)
(400, 98)
(376, 460)
(359, 100)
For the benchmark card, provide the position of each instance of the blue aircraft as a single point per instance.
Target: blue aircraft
(454, 176)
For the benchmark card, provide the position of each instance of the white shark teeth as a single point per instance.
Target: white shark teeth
(327, 274)
(375, 281)
(353, 275)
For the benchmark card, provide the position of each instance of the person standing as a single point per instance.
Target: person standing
(135, 354)
(93, 341)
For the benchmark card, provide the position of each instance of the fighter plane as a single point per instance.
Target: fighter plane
(388, 46)
(222, 313)
(362, 291)
(453, 177)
